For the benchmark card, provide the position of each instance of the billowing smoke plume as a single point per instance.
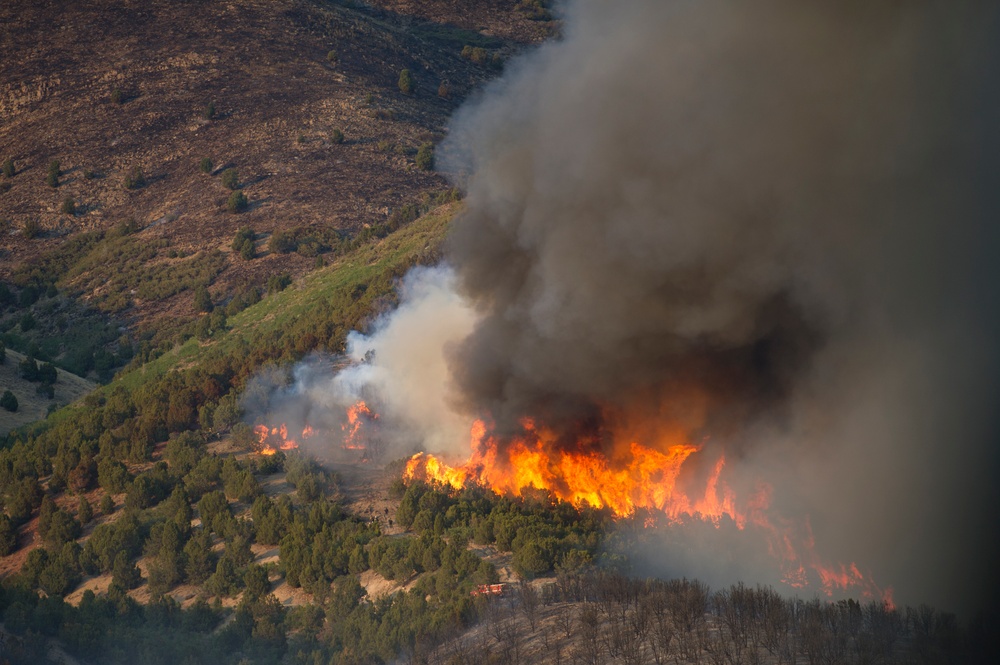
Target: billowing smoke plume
(772, 223)
(399, 368)
(787, 206)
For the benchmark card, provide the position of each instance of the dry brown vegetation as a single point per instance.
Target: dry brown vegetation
(109, 87)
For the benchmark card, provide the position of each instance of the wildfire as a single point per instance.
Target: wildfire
(637, 477)
(273, 439)
(358, 414)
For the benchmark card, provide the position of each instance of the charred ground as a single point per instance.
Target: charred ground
(300, 97)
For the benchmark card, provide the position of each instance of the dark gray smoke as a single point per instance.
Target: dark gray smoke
(782, 214)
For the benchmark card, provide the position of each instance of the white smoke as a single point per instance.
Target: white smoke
(402, 364)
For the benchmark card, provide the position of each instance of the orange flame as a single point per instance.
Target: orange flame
(636, 477)
(357, 415)
(271, 438)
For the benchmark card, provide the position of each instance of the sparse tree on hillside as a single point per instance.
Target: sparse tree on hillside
(205, 165)
(52, 177)
(31, 229)
(230, 178)
(68, 206)
(84, 512)
(8, 535)
(28, 368)
(407, 84)
(135, 179)
(243, 243)
(8, 168)
(425, 157)
(237, 202)
(124, 572)
(210, 111)
(8, 401)
(202, 299)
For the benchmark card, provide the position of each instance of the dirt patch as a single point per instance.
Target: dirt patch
(377, 586)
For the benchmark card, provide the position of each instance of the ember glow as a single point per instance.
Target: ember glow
(636, 477)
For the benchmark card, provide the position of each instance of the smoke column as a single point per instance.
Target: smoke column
(773, 221)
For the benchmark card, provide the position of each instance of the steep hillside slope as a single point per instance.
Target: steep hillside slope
(300, 97)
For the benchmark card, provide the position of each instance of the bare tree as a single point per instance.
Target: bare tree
(591, 652)
(660, 630)
(529, 602)
(564, 621)
(776, 631)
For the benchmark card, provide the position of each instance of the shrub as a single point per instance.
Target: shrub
(8, 401)
(135, 178)
(243, 243)
(31, 229)
(205, 165)
(230, 178)
(8, 168)
(425, 157)
(407, 84)
(337, 136)
(52, 177)
(202, 300)
(124, 572)
(237, 202)
(534, 10)
(107, 505)
(8, 535)
(278, 283)
(89, 174)
(444, 90)
(84, 511)
(282, 242)
(476, 54)
(68, 206)
(117, 97)
(210, 111)
(332, 57)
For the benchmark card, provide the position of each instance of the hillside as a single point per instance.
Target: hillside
(181, 504)
(32, 405)
(306, 108)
